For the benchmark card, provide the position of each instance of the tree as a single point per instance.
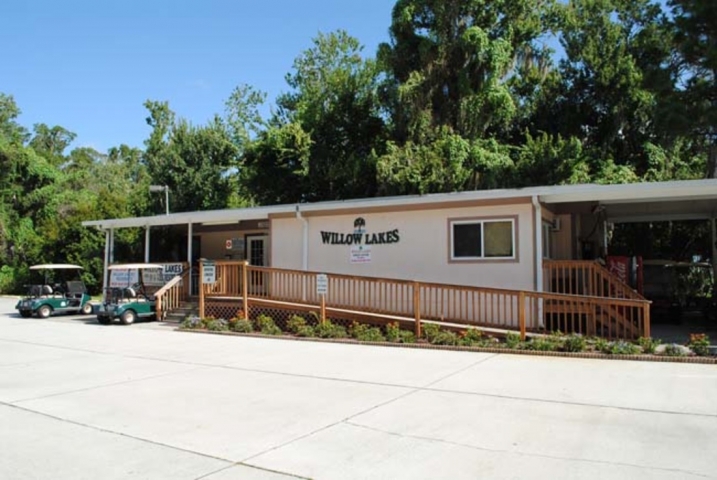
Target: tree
(695, 36)
(333, 110)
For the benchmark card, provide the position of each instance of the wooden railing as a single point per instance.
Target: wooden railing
(523, 311)
(172, 294)
(585, 277)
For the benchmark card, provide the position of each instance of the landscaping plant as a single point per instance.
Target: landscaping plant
(700, 344)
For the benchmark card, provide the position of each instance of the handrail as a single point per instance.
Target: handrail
(585, 277)
(171, 294)
(416, 301)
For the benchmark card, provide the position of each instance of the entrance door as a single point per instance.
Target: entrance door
(256, 253)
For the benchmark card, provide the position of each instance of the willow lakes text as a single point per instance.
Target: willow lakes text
(334, 238)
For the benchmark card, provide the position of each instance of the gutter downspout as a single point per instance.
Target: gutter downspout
(304, 248)
(105, 271)
(538, 252)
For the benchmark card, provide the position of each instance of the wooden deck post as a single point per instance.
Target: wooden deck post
(245, 288)
(521, 314)
(322, 317)
(417, 308)
(646, 319)
(201, 290)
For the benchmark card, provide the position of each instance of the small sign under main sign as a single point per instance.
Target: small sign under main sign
(322, 284)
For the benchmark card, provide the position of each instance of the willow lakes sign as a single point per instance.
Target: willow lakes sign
(359, 236)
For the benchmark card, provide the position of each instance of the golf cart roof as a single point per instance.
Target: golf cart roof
(56, 266)
(134, 266)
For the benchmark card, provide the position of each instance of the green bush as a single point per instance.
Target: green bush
(601, 345)
(192, 322)
(574, 343)
(217, 325)
(407, 336)
(648, 344)
(305, 331)
(330, 330)
(295, 323)
(700, 344)
(673, 350)
(430, 330)
(512, 340)
(445, 337)
(265, 324)
(471, 337)
(551, 343)
(393, 332)
(621, 347)
(240, 325)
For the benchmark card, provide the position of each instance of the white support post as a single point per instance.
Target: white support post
(538, 233)
(146, 244)
(189, 256)
(112, 246)
(105, 271)
(713, 221)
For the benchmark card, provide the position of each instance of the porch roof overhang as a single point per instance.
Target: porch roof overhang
(678, 199)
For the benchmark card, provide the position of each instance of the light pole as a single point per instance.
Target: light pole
(162, 188)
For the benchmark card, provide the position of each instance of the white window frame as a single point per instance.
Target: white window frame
(547, 240)
(482, 239)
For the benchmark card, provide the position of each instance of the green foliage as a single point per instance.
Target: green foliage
(265, 324)
(366, 333)
(673, 350)
(574, 343)
(512, 340)
(295, 323)
(192, 322)
(471, 337)
(216, 325)
(445, 337)
(329, 330)
(619, 347)
(393, 332)
(305, 331)
(544, 344)
(700, 344)
(430, 330)
(648, 344)
(240, 325)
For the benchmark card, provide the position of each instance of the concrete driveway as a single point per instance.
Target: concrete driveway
(84, 401)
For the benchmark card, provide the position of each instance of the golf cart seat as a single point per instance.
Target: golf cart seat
(130, 292)
(46, 290)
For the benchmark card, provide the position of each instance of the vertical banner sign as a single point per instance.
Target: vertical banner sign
(620, 267)
(209, 273)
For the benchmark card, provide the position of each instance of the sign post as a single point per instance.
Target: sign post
(322, 288)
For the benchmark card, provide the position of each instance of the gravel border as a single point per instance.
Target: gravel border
(428, 346)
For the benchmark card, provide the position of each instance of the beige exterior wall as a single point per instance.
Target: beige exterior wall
(422, 253)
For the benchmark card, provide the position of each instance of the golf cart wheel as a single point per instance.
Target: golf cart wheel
(25, 313)
(127, 317)
(44, 311)
(86, 309)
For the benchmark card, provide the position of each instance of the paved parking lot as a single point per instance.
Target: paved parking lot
(84, 401)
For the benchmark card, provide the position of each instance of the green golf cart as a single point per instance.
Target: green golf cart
(68, 296)
(131, 302)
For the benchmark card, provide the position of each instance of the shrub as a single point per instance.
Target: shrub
(648, 344)
(700, 344)
(471, 337)
(305, 331)
(192, 322)
(295, 323)
(512, 340)
(217, 325)
(673, 350)
(430, 330)
(445, 337)
(543, 344)
(267, 326)
(366, 333)
(407, 336)
(574, 343)
(393, 332)
(601, 345)
(240, 325)
(330, 330)
(621, 347)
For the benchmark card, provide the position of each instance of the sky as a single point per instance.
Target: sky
(89, 65)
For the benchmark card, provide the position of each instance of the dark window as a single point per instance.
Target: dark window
(467, 240)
